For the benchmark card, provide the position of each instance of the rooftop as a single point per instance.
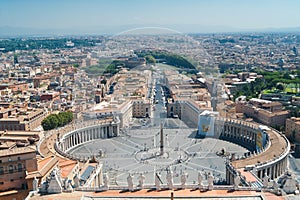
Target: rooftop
(17, 151)
(66, 167)
(44, 166)
(165, 194)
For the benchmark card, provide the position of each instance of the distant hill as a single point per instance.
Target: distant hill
(9, 31)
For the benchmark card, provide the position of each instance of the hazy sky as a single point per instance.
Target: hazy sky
(96, 13)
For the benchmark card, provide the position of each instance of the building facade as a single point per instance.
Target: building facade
(12, 119)
(292, 129)
(141, 108)
(15, 163)
(263, 111)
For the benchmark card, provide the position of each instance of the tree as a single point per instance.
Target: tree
(57, 120)
(50, 122)
(169, 58)
(103, 81)
(16, 59)
(286, 75)
(150, 59)
(46, 124)
(280, 86)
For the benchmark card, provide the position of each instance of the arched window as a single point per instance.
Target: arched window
(11, 169)
(20, 167)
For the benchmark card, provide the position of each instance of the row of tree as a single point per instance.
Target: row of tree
(169, 58)
(113, 67)
(273, 78)
(105, 66)
(270, 81)
(252, 89)
(57, 120)
(45, 43)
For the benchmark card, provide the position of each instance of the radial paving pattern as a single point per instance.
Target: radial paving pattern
(138, 151)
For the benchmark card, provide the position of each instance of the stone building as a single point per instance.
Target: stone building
(141, 108)
(263, 111)
(14, 164)
(12, 119)
(292, 131)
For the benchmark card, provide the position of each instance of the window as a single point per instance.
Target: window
(19, 167)
(11, 169)
(1, 170)
(19, 158)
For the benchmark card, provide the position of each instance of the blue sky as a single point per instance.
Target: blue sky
(60, 14)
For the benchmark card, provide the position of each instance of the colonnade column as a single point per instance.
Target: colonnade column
(90, 134)
(110, 131)
(279, 169)
(70, 141)
(66, 143)
(273, 172)
(76, 138)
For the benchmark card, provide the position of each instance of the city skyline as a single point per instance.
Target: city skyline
(110, 17)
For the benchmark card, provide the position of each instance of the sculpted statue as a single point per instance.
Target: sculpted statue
(210, 181)
(76, 181)
(183, 180)
(105, 180)
(157, 181)
(237, 181)
(35, 184)
(200, 179)
(266, 181)
(170, 179)
(275, 185)
(130, 182)
(141, 180)
(69, 186)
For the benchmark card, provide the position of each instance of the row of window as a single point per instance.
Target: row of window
(12, 127)
(10, 160)
(12, 180)
(11, 169)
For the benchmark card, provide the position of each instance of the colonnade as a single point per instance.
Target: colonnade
(245, 134)
(239, 132)
(86, 133)
(272, 170)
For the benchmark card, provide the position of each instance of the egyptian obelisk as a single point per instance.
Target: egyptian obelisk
(161, 140)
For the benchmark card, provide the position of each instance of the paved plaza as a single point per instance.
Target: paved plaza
(137, 150)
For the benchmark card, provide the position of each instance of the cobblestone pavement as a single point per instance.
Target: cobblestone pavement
(137, 151)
